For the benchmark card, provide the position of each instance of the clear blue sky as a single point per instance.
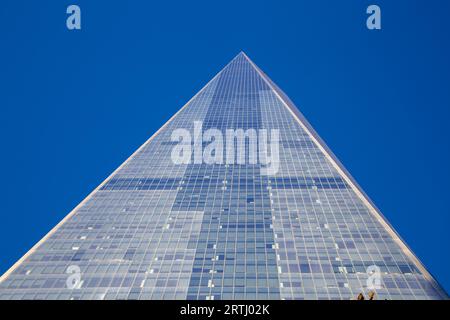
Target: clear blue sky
(75, 104)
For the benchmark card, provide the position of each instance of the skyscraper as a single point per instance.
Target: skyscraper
(174, 223)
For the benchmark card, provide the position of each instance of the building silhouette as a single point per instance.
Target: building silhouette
(156, 229)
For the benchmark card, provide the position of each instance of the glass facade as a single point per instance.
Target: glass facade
(159, 230)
